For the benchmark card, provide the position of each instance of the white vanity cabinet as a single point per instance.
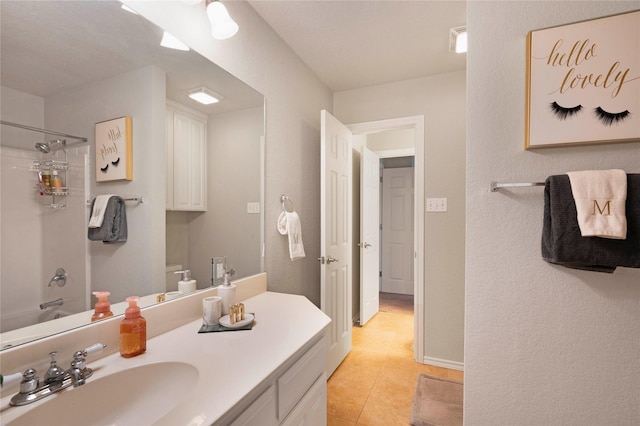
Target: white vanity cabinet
(296, 394)
(273, 374)
(186, 134)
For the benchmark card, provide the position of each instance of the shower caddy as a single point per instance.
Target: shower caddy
(58, 194)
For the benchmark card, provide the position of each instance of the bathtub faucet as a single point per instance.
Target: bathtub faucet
(57, 302)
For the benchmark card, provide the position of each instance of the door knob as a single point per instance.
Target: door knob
(331, 260)
(364, 245)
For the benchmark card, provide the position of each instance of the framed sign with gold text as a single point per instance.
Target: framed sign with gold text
(114, 150)
(583, 83)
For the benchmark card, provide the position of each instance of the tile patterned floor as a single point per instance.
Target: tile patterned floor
(374, 385)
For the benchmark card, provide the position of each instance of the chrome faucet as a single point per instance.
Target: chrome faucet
(60, 278)
(56, 378)
(78, 372)
(54, 374)
(57, 302)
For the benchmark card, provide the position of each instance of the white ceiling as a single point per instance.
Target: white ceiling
(52, 46)
(348, 43)
(351, 44)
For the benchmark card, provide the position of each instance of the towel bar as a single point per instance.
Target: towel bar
(496, 186)
(138, 199)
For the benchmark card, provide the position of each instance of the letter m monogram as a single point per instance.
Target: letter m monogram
(606, 208)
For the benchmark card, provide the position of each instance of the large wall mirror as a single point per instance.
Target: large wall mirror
(67, 65)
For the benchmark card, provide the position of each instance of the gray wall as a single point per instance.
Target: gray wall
(544, 344)
(441, 99)
(140, 262)
(233, 176)
(294, 98)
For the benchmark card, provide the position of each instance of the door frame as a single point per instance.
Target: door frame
(417, 123)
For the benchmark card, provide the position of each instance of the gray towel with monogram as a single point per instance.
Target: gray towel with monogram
(563, 244)
(114, 225)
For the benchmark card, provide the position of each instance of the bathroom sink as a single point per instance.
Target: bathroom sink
(137, 396)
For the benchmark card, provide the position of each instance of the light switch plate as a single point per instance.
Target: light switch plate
(253, 208)
(436, 204)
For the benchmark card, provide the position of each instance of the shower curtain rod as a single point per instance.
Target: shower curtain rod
(48, 132)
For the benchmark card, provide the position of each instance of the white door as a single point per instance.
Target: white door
(369, 235)
(335, 236)
(397, 230)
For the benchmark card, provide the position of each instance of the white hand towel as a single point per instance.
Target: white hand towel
(282, 223)
(289, 224)
(97, 213)
(600, 197)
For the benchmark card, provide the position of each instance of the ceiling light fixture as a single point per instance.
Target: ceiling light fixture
(128, 9)
(204, 96)
(169, 41)
(458, 39)
(222, 26)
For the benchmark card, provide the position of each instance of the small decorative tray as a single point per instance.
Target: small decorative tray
(225, 325)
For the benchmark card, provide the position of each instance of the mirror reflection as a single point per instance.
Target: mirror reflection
(196, 190)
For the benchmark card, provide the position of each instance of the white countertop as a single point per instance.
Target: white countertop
(230, 364)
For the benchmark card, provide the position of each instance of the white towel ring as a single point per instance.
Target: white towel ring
(284, 199)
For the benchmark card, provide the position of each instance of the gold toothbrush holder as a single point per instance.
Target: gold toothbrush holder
(236, 313)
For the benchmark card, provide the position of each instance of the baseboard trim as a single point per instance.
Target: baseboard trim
(453, 365)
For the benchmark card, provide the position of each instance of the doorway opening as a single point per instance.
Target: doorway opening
(396, 225)
(400, 145)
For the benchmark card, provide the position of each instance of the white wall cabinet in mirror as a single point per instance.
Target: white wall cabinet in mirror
(186, 132)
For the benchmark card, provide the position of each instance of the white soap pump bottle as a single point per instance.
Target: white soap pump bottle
(186, 284)
(227, 292)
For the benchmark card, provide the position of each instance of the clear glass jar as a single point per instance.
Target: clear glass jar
(46, 179)
(56, 182)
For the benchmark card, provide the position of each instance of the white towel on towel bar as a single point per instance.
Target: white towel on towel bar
(97, 213)
(289, 224)
(600, 197)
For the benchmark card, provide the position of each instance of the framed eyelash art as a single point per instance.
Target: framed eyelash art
(583, 83)
(114, 150)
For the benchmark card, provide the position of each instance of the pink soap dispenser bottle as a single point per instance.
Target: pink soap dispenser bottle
(103, 307)
(133, 330)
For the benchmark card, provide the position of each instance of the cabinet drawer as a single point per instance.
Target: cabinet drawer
(295, 382)
(261, 412)
(312, 408)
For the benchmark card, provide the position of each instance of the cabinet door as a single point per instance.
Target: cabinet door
(312, 408)
(189, 163)
(169, 148)
(295, 382)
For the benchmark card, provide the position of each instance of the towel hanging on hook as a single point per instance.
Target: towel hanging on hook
(289, 224)
(284, 199)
